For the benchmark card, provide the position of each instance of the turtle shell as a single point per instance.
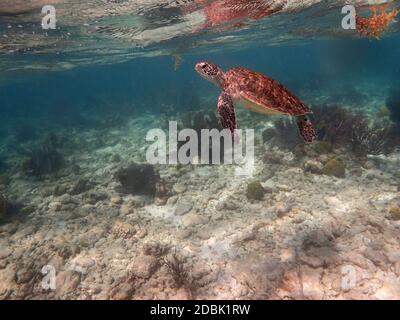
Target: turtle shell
(261, 94)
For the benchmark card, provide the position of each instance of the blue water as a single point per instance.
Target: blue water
(147, 83)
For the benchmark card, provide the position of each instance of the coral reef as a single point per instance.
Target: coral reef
(110, 245)
(333, 123)
(138, 179)
(373, 139)
(334, 167)
(255, 191)
(376, 23)
(338, 126)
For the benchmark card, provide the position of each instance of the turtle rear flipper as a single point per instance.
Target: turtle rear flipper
(306, 129)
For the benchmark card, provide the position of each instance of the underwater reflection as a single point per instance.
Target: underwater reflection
(234, 13)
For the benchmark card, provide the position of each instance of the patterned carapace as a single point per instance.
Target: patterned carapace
(257, 93)
(263, 91)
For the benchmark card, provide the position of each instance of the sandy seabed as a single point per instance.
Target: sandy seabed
(311, 236)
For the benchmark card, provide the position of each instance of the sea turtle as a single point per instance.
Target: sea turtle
(257, 93)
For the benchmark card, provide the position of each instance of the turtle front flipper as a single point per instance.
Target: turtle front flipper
(226, 112)
(306, 129)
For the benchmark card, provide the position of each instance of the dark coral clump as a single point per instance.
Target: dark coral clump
(181, 274)
(374, 138)
(255, 191)
(176, 266)
(138, 179)
(355, 131)
(333, 124)
(43, 160)
(339, 127)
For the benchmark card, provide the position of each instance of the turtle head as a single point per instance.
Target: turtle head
(211, 72)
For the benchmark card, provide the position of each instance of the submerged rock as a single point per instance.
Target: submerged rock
(24, 275)
(334, 168)
(255, 191)
(60, 190)
(193, 219)
(138, 179)
(313, 166)
(183, 207)
(144, 266)
(81, 186)
(395, 213)
(323, 147)
(123, 230)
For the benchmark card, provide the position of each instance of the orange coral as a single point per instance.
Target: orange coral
(376, 24)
